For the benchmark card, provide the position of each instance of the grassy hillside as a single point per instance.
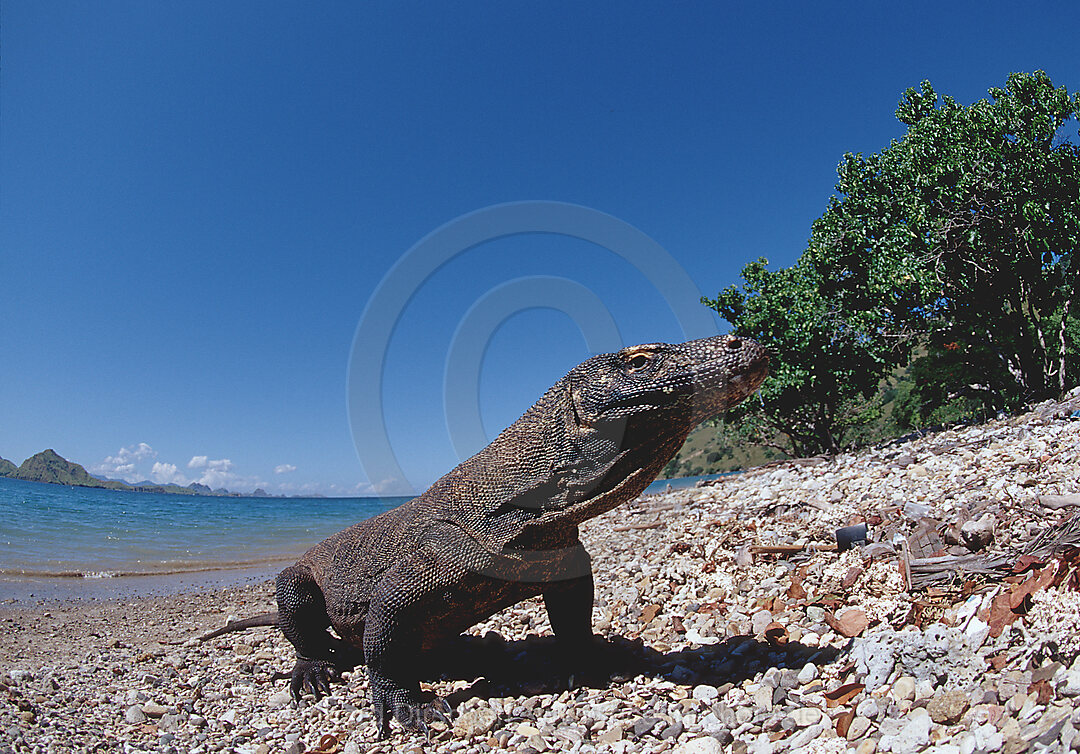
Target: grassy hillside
(48, 466)
(716, 447)
(719, 445)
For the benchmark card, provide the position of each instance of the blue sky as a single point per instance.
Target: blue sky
(197, 200)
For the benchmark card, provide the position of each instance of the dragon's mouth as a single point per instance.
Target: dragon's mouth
(647, 399)
(755, 375)
(712, 396)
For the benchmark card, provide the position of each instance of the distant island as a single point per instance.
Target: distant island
(49, 467)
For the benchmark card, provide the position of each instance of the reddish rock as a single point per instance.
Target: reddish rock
(852, 623)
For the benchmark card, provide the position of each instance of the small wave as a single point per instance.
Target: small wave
(165, 569)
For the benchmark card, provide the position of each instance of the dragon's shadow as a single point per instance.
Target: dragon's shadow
(535, 665)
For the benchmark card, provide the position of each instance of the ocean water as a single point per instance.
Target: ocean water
(682, 483)
(76, 542)
(58, 541)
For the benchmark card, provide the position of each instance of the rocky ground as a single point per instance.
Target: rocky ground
(732, 622)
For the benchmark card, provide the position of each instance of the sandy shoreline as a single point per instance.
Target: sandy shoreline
(733, 624)
(57, 630)
(38, 592)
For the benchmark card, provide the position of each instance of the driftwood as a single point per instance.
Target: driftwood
(922, 572)
(635, 527)
(661, 507)
(789, 549)
(1056, 539)
(1055, 502)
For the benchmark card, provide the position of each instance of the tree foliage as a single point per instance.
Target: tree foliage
(818, 397)
(957, 243)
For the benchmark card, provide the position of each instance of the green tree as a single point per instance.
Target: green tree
(824, 374)
(957, 243)
(963, 235)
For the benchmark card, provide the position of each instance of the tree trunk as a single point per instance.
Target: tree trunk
(1061, 346)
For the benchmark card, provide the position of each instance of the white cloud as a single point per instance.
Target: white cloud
(123, 464)
(215, 468)
(215, 479)
(166, 473)
(390, 486)
(133, 464)
(218, 474)
(131, 454)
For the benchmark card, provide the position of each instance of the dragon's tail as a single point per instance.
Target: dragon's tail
(266, 619)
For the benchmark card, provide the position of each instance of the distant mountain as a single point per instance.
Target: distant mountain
(50, 467)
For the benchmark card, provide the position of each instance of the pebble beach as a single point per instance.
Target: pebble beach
(733, 623)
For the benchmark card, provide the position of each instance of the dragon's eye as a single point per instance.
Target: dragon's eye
(638, 360)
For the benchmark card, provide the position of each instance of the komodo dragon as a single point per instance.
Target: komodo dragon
(503, 525)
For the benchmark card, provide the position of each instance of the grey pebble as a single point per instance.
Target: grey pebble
(644, 725)
(868, 708)
(761, 621)
(711, 724)
(808, 673)
(672, 731)
(806, 735)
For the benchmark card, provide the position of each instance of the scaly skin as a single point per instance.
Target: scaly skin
(503, 525)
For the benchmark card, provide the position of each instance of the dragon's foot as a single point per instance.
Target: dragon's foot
(314, 676)
(412, 715)
(594, 661)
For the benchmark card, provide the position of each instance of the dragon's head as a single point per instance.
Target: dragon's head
(656, 384)
(626, 414)
(621, 417)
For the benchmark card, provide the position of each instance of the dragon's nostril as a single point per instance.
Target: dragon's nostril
(734, 344)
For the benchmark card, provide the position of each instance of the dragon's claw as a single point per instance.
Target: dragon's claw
(314, 676)
(413, 715)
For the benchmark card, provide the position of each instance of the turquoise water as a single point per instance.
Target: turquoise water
(58, 541)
